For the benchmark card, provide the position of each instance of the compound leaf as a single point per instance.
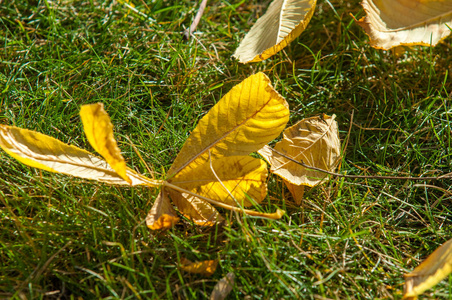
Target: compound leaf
(197, 210)
(229, 180)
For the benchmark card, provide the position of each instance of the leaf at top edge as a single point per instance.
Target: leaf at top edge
(249, 116)
(41, 151)
(391, 23)
(161, 215)
(284, 21)
(431, 271)
(197, 210)
(99, 131)
(315, 141)
(240, 176)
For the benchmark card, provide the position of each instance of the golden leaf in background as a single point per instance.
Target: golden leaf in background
(391, 23)
(283, 22)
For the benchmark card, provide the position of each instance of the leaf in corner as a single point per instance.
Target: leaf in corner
(430, 272)
(284, 21)
(391, 23)
(161, 215)
(315, 141)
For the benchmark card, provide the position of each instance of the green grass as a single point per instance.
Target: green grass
(63, 237)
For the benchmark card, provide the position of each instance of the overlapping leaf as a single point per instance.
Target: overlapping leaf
(391, 23)
(44, 152)
(237, 176)
(313, 141)
(430, 272)
(99, 132)
(284, 21)
(197, 210)
(297, 191)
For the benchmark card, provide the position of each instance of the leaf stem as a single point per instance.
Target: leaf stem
(276, 215)
(301, 163)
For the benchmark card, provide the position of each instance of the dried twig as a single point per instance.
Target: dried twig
(188, 32)
(301, 163)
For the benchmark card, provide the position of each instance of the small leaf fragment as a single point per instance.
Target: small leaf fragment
(431, 271)
(161, 215)
(314, 141)
(223, 287)
(297, 191)
(392, 23)
(41, 151)
(99, 131)
(283, 22)
(206, 267)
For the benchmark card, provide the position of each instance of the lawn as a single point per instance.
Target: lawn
(67, 238)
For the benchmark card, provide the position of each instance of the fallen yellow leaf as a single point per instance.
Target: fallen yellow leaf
(99, 132)
(313, 141)
(229, 180)
(41, 151)
(430, 272)
(214, 161)
(391, 23)
(197, 210)
(297, 191)
(248, 117)
(283, 22)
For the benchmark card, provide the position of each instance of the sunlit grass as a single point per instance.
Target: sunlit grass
(69, 238)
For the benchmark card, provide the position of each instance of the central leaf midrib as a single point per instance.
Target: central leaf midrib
(219, 140)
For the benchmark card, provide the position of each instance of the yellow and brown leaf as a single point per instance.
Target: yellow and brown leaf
(313, 141)
(392, 23)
